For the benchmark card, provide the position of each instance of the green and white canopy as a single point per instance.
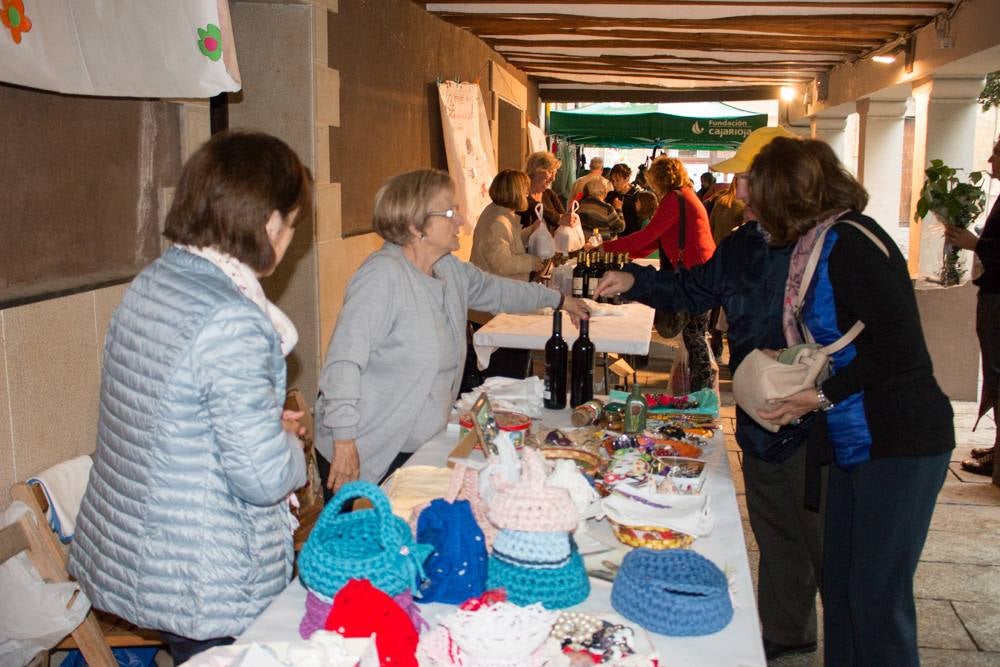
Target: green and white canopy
(695, 126)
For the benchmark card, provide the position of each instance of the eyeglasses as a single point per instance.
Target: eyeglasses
(449, 213)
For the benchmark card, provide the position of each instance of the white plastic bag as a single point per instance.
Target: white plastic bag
(570, 238)
(43, 614)
(541, 243)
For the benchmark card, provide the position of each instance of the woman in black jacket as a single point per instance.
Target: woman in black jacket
(889, 423)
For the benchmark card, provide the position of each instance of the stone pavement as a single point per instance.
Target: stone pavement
(957, 585)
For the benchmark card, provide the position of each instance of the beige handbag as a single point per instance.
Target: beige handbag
(762, 380)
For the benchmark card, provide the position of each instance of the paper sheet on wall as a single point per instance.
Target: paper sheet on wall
(536, 139)
(468, 145)
(121, 48)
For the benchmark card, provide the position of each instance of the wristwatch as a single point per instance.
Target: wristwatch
(824, 403)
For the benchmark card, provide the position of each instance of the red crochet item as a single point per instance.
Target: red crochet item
(359, 609)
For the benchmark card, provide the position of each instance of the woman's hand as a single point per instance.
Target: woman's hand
(792, 408)
(960, 238)
(345, 466)
(613, 283)
(576, 309)
(290, 422)
(569, 219)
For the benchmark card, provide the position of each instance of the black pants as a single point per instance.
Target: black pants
(182, 649)
(791, 547)
(699, 364)
(323, 467)
(877, 518)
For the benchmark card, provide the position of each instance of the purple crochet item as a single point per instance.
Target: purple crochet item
(318, 609)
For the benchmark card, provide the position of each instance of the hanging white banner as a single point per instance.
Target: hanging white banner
(121, 48)
(536, 139)
(468, 145)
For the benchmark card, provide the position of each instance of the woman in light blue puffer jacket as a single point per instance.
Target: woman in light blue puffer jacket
(185, 526)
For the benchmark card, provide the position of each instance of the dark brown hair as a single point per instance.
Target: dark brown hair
(796, 183)
(228, 190)
(645, 204)
(621, 169)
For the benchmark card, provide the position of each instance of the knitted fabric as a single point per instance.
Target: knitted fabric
(554, 588)
(678, 593)
(370, 544)
(318, 610)
(530, 505)
(533, 550)
(360, 609)
(456, 569)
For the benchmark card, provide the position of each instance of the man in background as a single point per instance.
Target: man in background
(596, 166)
(623, 196)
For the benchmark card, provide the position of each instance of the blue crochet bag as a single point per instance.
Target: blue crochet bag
(673, 592)
(371, 544)
(456, 569)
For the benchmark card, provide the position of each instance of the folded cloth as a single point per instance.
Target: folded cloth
(524, 396)
(690, 515)
(64, 485)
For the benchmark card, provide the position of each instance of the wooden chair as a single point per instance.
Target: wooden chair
(100, 631)
(311, 495)
(28, 534)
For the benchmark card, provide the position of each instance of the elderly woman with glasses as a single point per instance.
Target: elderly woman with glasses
(396, 357)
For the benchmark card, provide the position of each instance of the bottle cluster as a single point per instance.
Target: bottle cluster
(590, 266)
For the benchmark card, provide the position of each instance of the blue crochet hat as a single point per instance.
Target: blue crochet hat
(554, 588)
(675, 592)
(456, 569)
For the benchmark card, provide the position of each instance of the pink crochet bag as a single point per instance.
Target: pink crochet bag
(529, 504)
(464, 486)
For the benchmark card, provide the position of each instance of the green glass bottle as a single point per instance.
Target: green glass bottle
(635, 411)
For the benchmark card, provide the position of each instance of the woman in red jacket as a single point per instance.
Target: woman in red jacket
(670, 180)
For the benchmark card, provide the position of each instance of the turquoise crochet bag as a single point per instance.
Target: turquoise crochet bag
(371, 544)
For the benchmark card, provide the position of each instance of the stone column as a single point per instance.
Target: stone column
(880, 159)
(950, 135)
(831, 130)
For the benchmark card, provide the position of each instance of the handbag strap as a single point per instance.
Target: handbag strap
(681, 234)
(807, 276)
(380, 505)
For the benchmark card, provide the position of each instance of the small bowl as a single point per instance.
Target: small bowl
(651, 537)
(667, 447)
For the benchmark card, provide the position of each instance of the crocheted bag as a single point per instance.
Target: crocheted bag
(529, 504)
(534, 550)
(678, 593)
(368, 544)
(456, 570)
(464, 485)
(554, 588)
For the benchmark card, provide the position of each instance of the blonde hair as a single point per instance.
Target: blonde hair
(541, 161)
(405, 199)
(666, 174)
(510, 188)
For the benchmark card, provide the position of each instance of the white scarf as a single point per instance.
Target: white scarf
(246, 281)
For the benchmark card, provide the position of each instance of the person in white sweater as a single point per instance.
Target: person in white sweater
(396, 357)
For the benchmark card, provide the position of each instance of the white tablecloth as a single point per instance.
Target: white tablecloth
(625, 334)
(737, 645)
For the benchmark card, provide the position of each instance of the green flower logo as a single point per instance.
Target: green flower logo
(210, 41)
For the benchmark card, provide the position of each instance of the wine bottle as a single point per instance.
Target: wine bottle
(556, 358)
(579, 278)
(635, 411)
(581, 384)
(596, 271)
(585, 276)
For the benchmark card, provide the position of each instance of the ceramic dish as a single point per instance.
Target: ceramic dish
(651, 537)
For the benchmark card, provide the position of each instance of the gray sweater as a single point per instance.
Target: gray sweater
(382, 359)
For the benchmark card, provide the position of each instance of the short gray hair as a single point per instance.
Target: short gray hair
(405, 199)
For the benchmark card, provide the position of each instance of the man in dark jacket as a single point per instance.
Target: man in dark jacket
(623, 196)
(746, 277)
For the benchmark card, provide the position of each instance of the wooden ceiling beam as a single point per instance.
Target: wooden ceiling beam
(694, 43)
(919, 5)
(744, 67)
(671, 60)
(847, 25)
(640, 92)
(666, 73)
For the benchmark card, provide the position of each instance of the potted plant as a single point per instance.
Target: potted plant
(954, 202)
